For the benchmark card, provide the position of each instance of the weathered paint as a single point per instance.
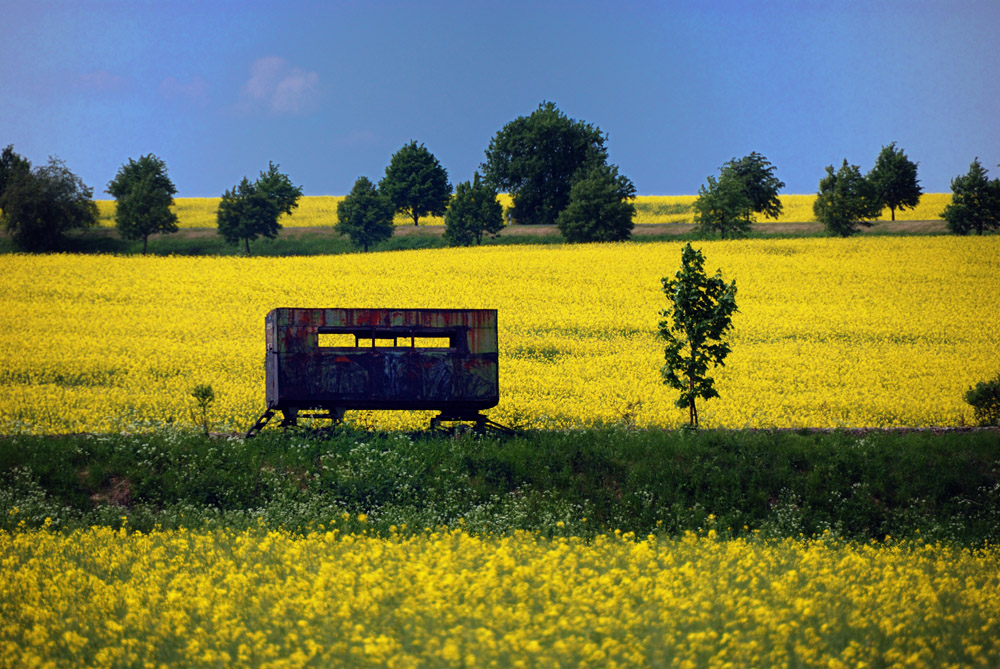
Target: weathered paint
(459, 379)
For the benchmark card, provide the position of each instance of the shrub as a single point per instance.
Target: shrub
(985, 400)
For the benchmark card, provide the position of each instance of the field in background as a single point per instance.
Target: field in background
(321, 210)
(886, 331)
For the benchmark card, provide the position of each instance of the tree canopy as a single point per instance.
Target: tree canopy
(694, 324)
(12, 166)
(975, 202)
(145, 195)
(894, 178)
(755, 174)
(416, 183)
(474, 211)
(600, 207)
(251, 209)
(723, 206)
(365, 215)
(39, 206)
(745, 186)
(846, 201)
(536, 158)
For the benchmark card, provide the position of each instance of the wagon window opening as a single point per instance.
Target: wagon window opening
(380, 340)
(336, 340)
(432, 342)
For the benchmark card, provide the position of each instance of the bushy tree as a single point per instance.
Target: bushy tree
(39, 206)
(723, 206)
(251, 209)
(985, 400)
(846, 201)
(474, 211)
(535, 158)
(894, 178)
(144, 195)
(745, 186)
(755, 174)
(279, 189)
(600, 206)
(365, 215)
(975, 202)
(416, 183)
(694, 325)
(12, 166)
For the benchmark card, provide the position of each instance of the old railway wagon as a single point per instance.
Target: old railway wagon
(334, 360)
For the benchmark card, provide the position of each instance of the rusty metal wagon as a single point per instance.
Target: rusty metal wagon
(321, 363)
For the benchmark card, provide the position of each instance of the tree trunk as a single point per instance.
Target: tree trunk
(892, 210)
(246, 240)
(144, 238)
(415, 217)
(692, 410)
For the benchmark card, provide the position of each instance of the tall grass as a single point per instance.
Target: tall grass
(856, 485)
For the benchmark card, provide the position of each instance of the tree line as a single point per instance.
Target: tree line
(555, 169)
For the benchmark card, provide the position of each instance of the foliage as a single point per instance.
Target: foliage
(745, 186)
(144, 195)
(985, 400)
(365, 215)
(830, 332)
(975, 202)
(861, 485)
(204, 396)
(723, 207)
(600, 206)
(536, 159)
(251, 210)
(756, 174)
(474, 210)
(894, 178)
(846, 201)
(416, 183)
(41, 205)
(12, 166)
(695, 323)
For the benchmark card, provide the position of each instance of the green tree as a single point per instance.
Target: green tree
(894, 178)
(12, 166)
(365, 215)
(694, 325)
(975, 202)
(846, 201)
(723, 206)
(144, 195)
(756, 176)
(41, 205)
(985, 400)
(251, 210)
(600, 207)
(416, 183)
(536, 158)
(279, 189)
(474, 211)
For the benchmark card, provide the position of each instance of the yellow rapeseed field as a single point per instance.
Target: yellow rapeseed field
(104, 598)
(876, 331)
(321, 210)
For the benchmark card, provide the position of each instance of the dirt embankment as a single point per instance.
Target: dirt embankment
(644, 230)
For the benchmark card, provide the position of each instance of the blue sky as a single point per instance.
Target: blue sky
(330, 90)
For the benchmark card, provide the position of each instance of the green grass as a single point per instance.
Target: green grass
(859, 486)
